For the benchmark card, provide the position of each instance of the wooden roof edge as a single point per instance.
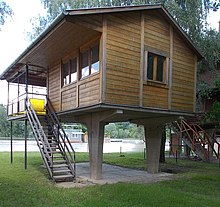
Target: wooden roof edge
(103, 10)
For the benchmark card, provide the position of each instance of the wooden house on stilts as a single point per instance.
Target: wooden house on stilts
(99, 66)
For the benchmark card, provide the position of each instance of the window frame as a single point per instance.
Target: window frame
(76, 55)
(156, 54)
(89, 50)
(69, 65)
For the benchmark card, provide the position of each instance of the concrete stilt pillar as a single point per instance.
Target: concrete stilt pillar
(95, 123)
(96, 138)
(153, 132)
(153, 142)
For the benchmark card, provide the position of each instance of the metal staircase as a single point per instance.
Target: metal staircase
(201, 143)
(55, 148)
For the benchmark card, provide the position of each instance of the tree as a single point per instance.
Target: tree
(124, 130)
(18, 126)
(213, 116)
(5, 11)
(214, 5)
(210, 46)
(4, 124)
(163, 145)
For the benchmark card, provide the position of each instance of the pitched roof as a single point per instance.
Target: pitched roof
(22, 59)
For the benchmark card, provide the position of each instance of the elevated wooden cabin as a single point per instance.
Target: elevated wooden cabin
(113, 64)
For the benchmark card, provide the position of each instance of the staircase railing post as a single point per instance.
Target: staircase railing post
(25, 144)
(25, 122)
(11, 138)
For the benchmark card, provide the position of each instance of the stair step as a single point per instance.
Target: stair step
(58, 156)
(61, 171)
(59, 161)
(53, 145)
(56, 147)
(63, 177)
(60, 165)
(56, 152)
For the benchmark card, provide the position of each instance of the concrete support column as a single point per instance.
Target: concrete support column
(95, 123)
(153, 141)
(153, 132)
(96, 139)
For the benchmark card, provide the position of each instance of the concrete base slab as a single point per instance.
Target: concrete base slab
(113, 174)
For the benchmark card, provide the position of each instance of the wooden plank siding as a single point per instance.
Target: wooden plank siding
(157, 36)
(54, 86)
(157, 32)
(183, 76)
(155, 97)
(89, 21)
(89, 91)
(123, 49)
(68, 97)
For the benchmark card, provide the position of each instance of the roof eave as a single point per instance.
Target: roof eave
(98, 10)
(33, 44)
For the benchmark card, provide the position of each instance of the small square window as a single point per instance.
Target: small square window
(155, 67)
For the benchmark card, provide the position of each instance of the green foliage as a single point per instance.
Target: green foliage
(124, 130)
(190, 15)
(5, 11)
(4, 124)
(213, 5)
(210, 47)
(17, 129)
(206, 91)
(213, 116)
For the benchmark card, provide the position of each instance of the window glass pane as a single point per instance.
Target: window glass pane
(73, 69)
(160, 63)
(84, 64)
(65, 73)
(95, 59)
(150, 66)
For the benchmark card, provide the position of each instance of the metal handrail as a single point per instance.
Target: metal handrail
(208, 139)
(193, 139)
(39, 133)
(198, 138)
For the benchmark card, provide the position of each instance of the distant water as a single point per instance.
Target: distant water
(119, 146)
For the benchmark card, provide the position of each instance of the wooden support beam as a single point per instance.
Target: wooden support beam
(170, 69)
(142, 61)
(11, 138)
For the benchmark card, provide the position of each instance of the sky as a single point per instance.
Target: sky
(13, 38)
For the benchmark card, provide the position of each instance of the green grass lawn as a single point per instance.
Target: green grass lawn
(196, 184)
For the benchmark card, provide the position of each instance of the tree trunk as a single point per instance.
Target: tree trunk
(162, 147)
